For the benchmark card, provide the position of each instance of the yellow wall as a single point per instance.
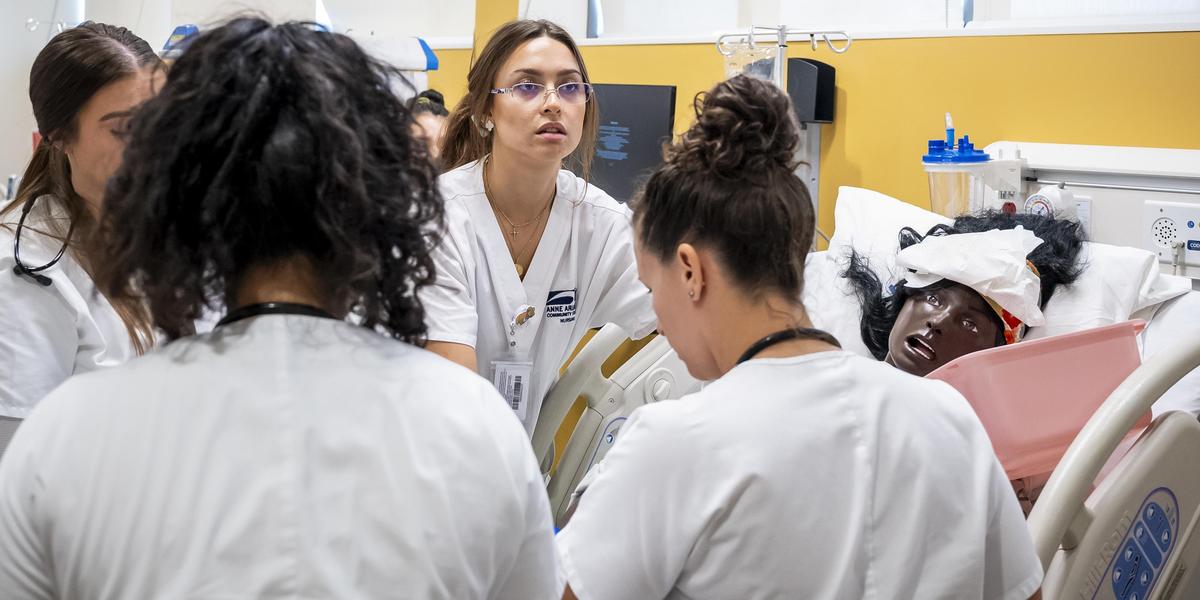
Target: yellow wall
(1114, 89)
(451, 77)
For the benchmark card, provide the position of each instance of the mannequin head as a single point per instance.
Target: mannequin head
(921, 329)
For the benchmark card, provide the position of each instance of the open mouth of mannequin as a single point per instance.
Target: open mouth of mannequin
(919, 346)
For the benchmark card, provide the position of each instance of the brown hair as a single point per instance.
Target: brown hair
(464, 140)
(73, 67)
(729, 183)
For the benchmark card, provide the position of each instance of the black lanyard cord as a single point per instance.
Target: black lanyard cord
(273, 308)
(799, 333)
(34, 273)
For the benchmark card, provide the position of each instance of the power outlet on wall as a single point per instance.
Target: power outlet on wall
(1172, 230)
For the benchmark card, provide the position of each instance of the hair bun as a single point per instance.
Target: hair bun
(433, 96)
(742, 126)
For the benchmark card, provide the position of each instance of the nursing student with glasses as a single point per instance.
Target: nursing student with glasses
(532, 256)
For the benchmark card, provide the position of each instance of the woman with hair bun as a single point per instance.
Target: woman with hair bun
(801, 471)
(429, 119)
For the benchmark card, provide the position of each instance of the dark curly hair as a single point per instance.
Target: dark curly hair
(729, 183)
(269, 143)
(1057, 262)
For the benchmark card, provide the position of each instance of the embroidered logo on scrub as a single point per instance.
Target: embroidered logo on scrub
(561, 305)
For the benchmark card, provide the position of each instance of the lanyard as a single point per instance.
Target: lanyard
(804, 333)
(273, 308)
(35, 273)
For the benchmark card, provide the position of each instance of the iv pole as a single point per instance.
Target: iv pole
(809, 152)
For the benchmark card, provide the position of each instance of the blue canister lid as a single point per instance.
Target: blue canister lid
(964, 152)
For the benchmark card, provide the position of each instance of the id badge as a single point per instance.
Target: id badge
(512, 381)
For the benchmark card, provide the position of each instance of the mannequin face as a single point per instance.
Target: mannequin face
(937, 326)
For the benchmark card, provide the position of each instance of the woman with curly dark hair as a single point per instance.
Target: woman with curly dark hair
(798, 454)
(306, 447)
(920, 327)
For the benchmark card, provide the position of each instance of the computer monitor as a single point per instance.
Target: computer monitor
(635, 121)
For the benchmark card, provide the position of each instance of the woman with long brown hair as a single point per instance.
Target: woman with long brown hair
(533, 256)
(84, 86)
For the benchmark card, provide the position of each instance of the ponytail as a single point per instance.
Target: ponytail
(464, 140)
(48, 174)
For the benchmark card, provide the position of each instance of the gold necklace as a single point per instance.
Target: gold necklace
(488, 192)
(516, 256)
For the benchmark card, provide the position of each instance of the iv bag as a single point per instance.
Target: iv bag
(756, 61)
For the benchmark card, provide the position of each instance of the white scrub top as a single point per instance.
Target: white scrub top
(49, 333)
(281, 456)
(827, 475)
(582, 276)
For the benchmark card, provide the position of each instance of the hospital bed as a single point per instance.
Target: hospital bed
(1133, 536)
(582, 414)
(1076, 555)
(1129, 537)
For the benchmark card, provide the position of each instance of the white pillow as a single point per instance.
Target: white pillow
(870, 223)
(1173, 324)
(1118, 283)
(830, 301)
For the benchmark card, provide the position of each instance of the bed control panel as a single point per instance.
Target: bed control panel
(1142, 556)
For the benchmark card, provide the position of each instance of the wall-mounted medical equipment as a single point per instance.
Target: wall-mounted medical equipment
(810, 85)
(1142, 197)
(762, 52)
(179, 40)
(411, 55)
(963, 179)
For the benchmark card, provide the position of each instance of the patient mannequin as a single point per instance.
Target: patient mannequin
(920, 329)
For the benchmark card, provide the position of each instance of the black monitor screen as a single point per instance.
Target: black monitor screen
(635, 122)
